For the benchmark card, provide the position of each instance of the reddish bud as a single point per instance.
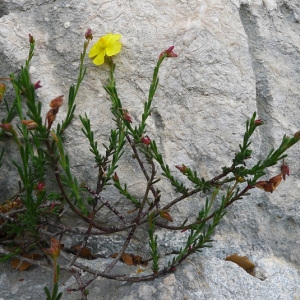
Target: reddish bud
(285, 170)
(169, 53)
(88, 35)
(37, 85)
(6, 127)
(31, 39)
(115, 177)
(54, 250)
(40, 186)
(146, 140)
(165, 215)
(126, 116)
(297, 135)
(182, 169)
(258, 122)
(29, 124)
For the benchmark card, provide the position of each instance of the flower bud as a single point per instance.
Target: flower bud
(31, 125)
(40, 187)
(146, 140)
(126, 116)
(183, 169)
(165, 215)
(169, 53)
(31, 39)
(240, 179)
(88, 35)
(297, 135)
(37, 85)
(54, 250)
(7, 127)
(285, 170)
(115, 177)
(258, 122)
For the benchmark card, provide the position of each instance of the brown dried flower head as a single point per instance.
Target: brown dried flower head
(56, 103)
(271, 185)
(54, 250)
(30, 124)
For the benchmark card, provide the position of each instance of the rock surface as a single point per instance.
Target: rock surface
(234, 57)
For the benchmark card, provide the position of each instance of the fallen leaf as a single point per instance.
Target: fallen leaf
(84, 253)
(131, 259)
(127, 259)
(138, 260)
(16, 263)
(243, 262)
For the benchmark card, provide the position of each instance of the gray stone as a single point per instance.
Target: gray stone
(234, 57)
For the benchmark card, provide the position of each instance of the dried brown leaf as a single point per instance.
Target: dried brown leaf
(131, 259)
(138, 260)
(84, 253)
(243, 262)
(17, 264)
(20, 265)
(127, 258)
(165, 215)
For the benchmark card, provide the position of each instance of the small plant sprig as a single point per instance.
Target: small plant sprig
(153, 244)
(54, 252)
(42, 152)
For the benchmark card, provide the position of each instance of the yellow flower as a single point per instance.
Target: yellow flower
(107, 45)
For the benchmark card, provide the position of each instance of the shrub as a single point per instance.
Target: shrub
(42, 153)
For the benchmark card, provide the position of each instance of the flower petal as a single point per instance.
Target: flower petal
(114, 37)
(99, 59)
(113, 48)
(94, 50)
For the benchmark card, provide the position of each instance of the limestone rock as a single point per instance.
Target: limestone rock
(234, 57)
